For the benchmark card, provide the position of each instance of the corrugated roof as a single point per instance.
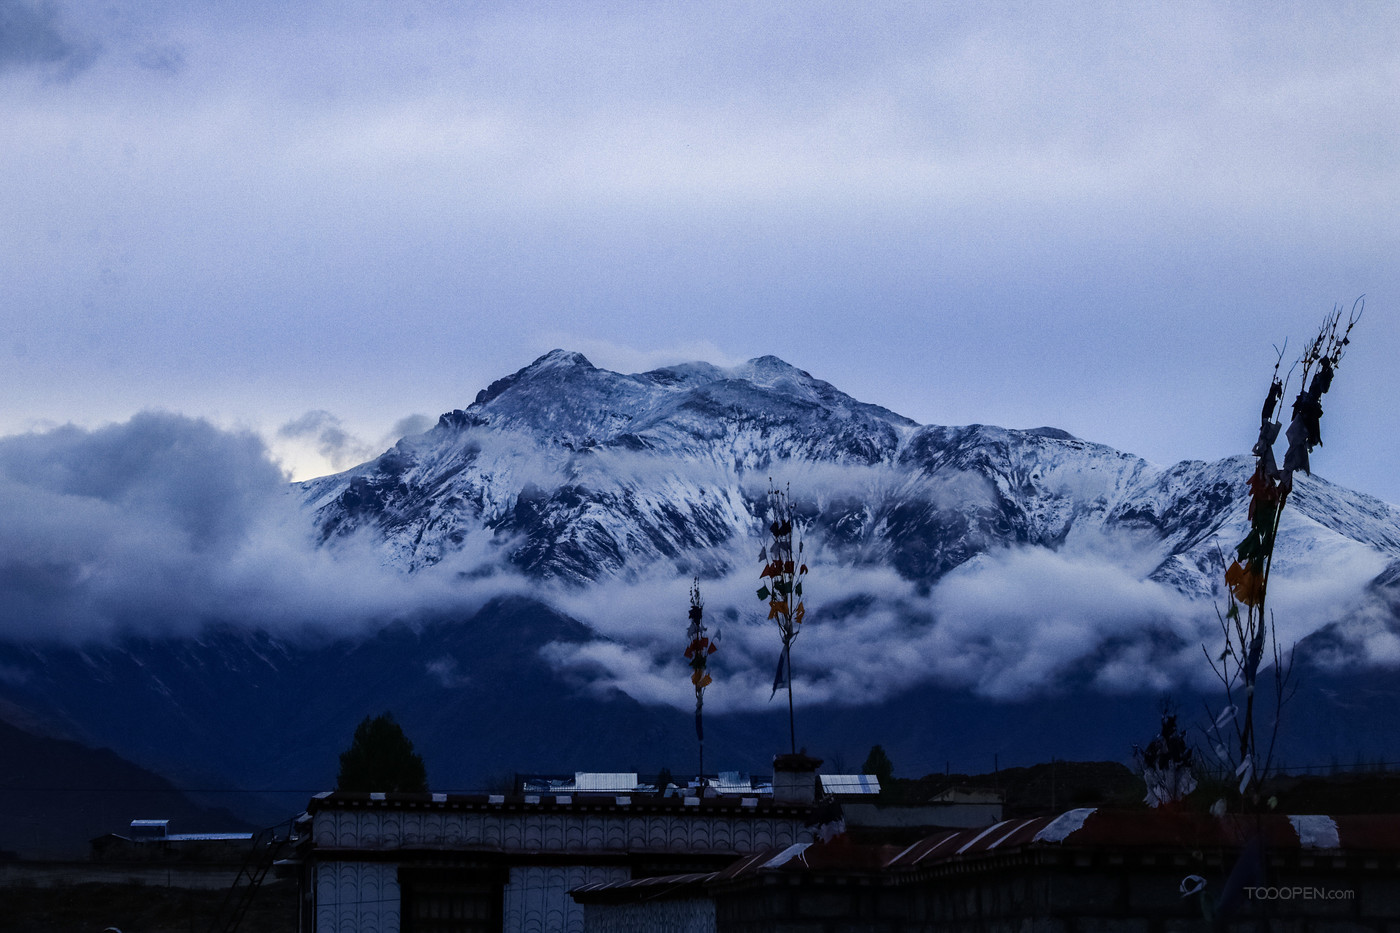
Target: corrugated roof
(850, 783)
(646, 885)
(644, 889)
(731, 782)
(636, 803)
(1369, 833)
(746, 864)
(604, 781)
(948, 843)
(1091, 827)
(1081, 828)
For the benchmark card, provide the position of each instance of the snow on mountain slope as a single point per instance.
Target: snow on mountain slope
(566, 471)
(976, 556)
(578, 472)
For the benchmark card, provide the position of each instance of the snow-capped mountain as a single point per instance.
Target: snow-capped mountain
(975, 591)
(565, 471)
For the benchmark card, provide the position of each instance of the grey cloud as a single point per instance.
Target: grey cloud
(1006, 625)
(343, 448)
(445, 672)
(34, 35)
(111, 527)
(332, 440)
(166, 523)
(409, 425)
(201, 482)
(167, 58)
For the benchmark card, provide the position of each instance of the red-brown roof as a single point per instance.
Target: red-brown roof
(1086, 828)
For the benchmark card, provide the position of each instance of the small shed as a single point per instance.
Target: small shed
(148, 830)
(152, 840)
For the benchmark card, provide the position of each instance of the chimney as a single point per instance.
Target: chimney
(795, 778)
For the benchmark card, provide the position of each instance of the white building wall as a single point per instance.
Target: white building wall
(537, 896)
(564, 831)
(357, 897)
(364, 896)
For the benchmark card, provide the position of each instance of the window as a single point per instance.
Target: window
(450, 900)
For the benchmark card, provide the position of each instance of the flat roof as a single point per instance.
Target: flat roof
(561, 800)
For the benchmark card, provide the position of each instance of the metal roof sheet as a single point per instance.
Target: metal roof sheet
(604, 781)
(731, 782)
(1380, 832)
(850, 783)
(661, 881)
(1083, 828)
(750, 805)
(1136, 828)
(642, 889)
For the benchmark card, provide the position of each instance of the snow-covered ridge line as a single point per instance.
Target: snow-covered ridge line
(566, 471)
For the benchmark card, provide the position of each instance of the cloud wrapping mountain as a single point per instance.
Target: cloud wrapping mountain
(1009, 563)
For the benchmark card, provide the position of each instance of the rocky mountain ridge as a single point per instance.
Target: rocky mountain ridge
(567, 471)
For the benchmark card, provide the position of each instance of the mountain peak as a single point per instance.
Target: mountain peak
(773, 364)
(773, 372)
(561, 361)
(1058, 434)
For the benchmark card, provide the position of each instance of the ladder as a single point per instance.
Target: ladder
(268, 845)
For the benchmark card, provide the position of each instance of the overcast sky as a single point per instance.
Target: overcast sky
(315, 221)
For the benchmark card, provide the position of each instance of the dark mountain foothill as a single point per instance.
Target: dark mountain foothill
(56, 795)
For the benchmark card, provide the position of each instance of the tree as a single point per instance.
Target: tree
(381, 759)
(879, 764)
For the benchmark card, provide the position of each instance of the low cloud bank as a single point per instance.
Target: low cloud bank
(1007, 624)
(163, 524)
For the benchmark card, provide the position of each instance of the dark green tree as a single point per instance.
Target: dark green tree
(879, 764)
(381, 759)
